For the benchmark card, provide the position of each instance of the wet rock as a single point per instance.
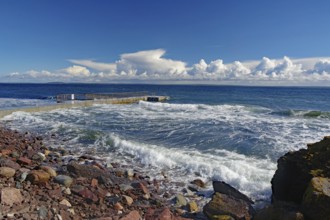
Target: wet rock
(10, 196)
(180, 200)
(129, 173)
(316, 200)
(64, 180)
(222, 204)
(141, 186)
(49, 170)
(198, 182)
(133, 215)
(7, 172)
(39, 157)
(38, 176)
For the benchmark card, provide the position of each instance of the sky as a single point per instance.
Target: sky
(256, 42)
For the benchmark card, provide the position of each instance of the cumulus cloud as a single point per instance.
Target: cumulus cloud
(152, 66)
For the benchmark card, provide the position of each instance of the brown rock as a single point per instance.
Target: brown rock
(128, 200)
(7, 172)
(49, 170)
(24, 161)
(279, 211)
(118, 206)
(10, 196)
(94, 182)
(9, 163)
(193, 207)
(86, 170)
(38, 176)
(141, 186)
(133, 215)
(88, 195)
(198, 182)
(222, 204)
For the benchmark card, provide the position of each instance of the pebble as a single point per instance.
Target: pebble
(42, 212)
(7, 172)
(180, 200)
(64, 180)
(66, 203)
(49, 170)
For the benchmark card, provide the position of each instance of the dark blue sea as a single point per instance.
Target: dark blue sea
(230, 133)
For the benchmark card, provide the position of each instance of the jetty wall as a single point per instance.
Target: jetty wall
(73, 104)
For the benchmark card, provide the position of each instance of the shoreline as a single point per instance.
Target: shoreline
(91, 194)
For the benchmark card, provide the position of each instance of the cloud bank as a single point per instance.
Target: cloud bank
(152, 66)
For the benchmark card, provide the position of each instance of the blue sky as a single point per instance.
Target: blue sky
(258, 42)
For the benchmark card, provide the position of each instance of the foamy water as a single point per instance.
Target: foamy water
(235, 143)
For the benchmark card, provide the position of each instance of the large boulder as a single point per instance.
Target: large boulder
(228, 203)
(296, 169)
(303, 178)
(316, 201)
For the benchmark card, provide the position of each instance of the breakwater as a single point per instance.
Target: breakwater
(88, 103)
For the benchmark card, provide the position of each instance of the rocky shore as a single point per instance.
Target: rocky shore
(41, 182)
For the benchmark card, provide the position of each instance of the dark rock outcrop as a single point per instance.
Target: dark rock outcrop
(228, 203)
(303, 178)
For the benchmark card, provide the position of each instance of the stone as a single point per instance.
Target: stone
(49, 170)
(125, 187)
(296, 169)
(10, 196)
(128, 200)
(222, 204)
(141, 186)
(64, 180)
(198, 182)
(66, 203)
(88, 195)
(94, 182)
(7, 172)
(316, 200)
(38, 176)
(118, 206)
(39, 157)
(67, 191)
(193, 207)
(9, 163)
(227, 189)
(129, 173)
(86, 170)
(180, 200)
(279, 211)
(24, 161)
(133, 215)
(42, 212)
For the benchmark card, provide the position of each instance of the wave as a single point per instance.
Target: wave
(302, 113)
(249, 174)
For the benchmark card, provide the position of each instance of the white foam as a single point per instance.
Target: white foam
(250, 175)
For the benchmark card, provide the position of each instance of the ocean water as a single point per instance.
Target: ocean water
(229, 133)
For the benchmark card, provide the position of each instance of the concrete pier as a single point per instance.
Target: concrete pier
(88, 103)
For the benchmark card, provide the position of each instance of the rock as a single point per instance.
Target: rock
(39, 157)
(198, 182)
(222, 204)
(66, 203)
(42, 212)
(161, 214)
(9, 163)
(118, 206)
(10, 196)
(279, 211)
(193, 207)
(227, 189)
(24, 161)
(296, 169)
(86, 171)
(88, 195)
(316, 200)
(7, 172)
(63, 180)
(94, 182)
(129, 173)
(67, 191)
(128, 200)
(49, 170)
(125, 187)
(141, 186)
(38, 176)
(133, 215)
(180, 200)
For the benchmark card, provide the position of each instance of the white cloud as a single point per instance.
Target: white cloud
(152, 66)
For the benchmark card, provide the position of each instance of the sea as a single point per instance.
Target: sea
(229, 133)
